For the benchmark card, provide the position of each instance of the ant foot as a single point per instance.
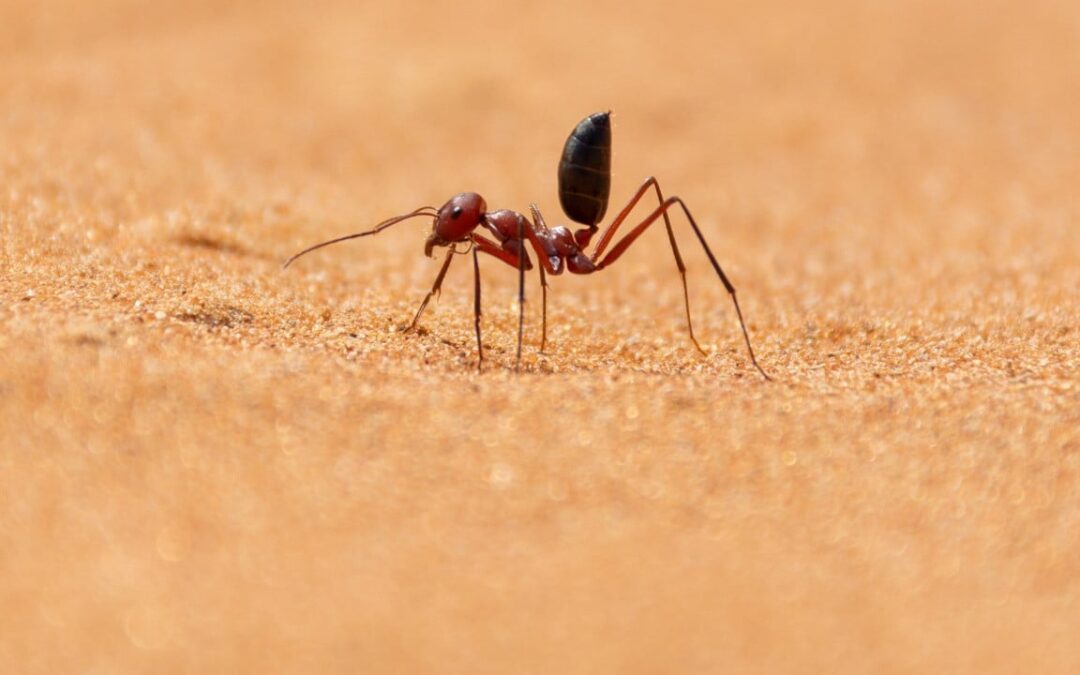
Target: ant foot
(699, 348)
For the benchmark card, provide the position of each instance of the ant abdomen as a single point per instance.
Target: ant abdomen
(585, 170)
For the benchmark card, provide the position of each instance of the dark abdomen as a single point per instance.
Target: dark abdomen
(585, 170)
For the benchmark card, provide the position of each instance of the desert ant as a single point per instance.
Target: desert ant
(584, 186)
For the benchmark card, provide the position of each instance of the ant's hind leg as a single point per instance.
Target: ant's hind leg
(435, 288)
(608, 234)
(682, 270)
(632, 236)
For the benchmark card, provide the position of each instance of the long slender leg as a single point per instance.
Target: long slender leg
(605, 239)
(629, 239)
(609, 233)
(679, 263)
(476, 310)
(543, 290)
(540, 225)
(435, 288)
(521, 289)
(518, 261)
(491, 248)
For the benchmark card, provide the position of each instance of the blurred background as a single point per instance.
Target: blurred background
(207, 464)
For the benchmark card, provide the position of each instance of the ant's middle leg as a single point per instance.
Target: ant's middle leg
(522, 257)
(539, 226)
(476, 309)
(543, 314)
(606, 238)
(435, 289)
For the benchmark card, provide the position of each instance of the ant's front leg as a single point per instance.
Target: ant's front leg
(435, 288)
(511, 231)
(513, 253)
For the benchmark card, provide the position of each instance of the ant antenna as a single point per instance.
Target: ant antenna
(429, 211)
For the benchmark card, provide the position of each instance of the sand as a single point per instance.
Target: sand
(211, 465)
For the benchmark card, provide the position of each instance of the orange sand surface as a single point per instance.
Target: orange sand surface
(211, 465)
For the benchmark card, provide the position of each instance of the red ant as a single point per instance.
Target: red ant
(584, 186)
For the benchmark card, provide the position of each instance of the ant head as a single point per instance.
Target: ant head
(456, 220)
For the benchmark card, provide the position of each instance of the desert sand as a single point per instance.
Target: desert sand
(208, 464)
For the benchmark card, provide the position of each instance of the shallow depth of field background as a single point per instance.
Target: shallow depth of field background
(211, 465)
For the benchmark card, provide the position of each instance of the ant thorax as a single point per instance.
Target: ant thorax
(560, 245)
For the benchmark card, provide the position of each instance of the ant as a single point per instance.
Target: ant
(584, 186)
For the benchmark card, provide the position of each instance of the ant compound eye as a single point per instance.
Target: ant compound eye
(456, 212)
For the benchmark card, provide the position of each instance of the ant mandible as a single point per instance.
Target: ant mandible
(584, 186)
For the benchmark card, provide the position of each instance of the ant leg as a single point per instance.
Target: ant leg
(543, 290)
(629, 239)
(519, 260)
(605, 239)
(609, 233)
(521, 289)
(476, 309)
(682, 268)
(678, 263)
(436, 288)
(491, 248)
(540, 226)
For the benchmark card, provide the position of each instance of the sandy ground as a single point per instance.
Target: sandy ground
(211, 465)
